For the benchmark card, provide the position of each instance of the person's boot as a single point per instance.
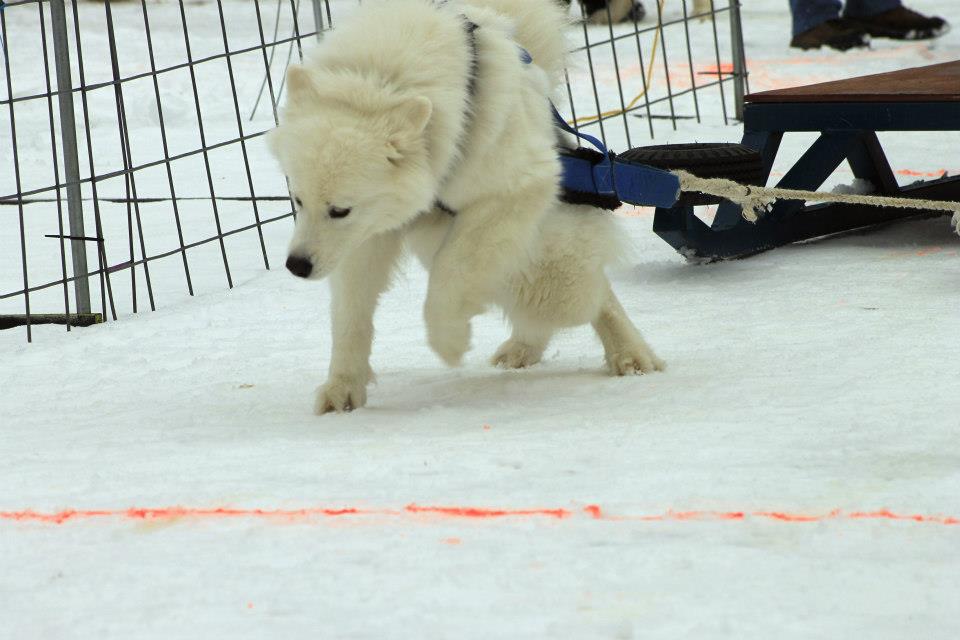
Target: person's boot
(902, 24)
(839, 33)
(605, 11)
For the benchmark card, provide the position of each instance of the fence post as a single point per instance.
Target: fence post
(71, 164)
(739, 58)
(318, 17)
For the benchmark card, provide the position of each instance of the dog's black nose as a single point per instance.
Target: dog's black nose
(300, 267)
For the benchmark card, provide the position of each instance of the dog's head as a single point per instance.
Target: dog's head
(356, 167)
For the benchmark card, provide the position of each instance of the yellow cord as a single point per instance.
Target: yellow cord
(639, 96)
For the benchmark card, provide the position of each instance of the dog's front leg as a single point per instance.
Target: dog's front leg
(488, 240)
(356, 285)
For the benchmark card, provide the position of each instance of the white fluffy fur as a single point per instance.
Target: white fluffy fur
(373, 123)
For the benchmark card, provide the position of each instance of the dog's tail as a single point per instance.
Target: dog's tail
(540, 27)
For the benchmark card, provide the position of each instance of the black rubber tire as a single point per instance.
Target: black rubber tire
(704, 160)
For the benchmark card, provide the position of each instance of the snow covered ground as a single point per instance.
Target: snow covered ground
(795, 472)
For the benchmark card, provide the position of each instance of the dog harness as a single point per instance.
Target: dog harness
(597, 177)
(469, 28)
(594, 177)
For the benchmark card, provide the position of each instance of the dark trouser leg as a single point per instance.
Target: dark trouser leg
(807, 14)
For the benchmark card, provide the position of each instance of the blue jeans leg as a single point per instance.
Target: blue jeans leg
(809, 13)
(867, 8)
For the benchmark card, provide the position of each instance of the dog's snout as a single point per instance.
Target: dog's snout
(300, 267)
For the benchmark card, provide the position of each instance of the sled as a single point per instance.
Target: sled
(847, 114)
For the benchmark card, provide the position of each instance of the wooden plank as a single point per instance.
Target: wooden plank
(934, 83)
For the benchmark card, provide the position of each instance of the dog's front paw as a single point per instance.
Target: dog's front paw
(448, 332)
(450, 340)
(956, 221)
(340, 394)
(634, 361)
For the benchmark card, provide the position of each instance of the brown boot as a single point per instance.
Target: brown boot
(902, 24)
(839, 33)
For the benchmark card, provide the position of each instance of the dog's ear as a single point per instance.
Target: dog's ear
(300, 88)
(414, 114)
(408, 121)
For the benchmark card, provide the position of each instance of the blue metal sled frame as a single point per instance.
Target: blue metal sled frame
(847, 132)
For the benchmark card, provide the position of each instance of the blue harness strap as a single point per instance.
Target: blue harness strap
(562, 124)
(581, 174)
(645, 186)
(637, 184)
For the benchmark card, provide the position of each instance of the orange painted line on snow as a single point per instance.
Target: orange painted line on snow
(794, 517)
(939, 173)
(884, 514)
(171, 513)
(475, 512)
(593, 512)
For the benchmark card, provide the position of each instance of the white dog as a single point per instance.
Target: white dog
(408, 113)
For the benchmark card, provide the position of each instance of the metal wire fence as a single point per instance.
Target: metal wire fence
(131, 173)
(685, 61)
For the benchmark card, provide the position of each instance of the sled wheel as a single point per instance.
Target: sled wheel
(708, 160)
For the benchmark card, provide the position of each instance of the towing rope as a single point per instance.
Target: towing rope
(757, 200)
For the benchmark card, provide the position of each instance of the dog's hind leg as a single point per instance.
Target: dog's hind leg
(625, 349)
(524, 348)
(356, 285)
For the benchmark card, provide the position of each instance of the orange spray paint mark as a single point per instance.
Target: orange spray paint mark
(486, 427)
(713, 70)
(171, 513)
(704, 515)
(476, 512)
(884, 514)
(590, 512)
(793, 517)
(452, 541)
(922, 174)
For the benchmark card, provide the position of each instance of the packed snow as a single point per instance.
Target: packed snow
(795, 472)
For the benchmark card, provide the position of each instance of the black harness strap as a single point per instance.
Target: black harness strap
(596, 200)
(470, 29)
(606, 201)
(442, 207)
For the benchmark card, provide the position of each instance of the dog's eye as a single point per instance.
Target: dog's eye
(297, 201)
(338, 212)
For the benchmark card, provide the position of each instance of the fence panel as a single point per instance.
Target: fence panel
(684, 62)
(145, 180)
